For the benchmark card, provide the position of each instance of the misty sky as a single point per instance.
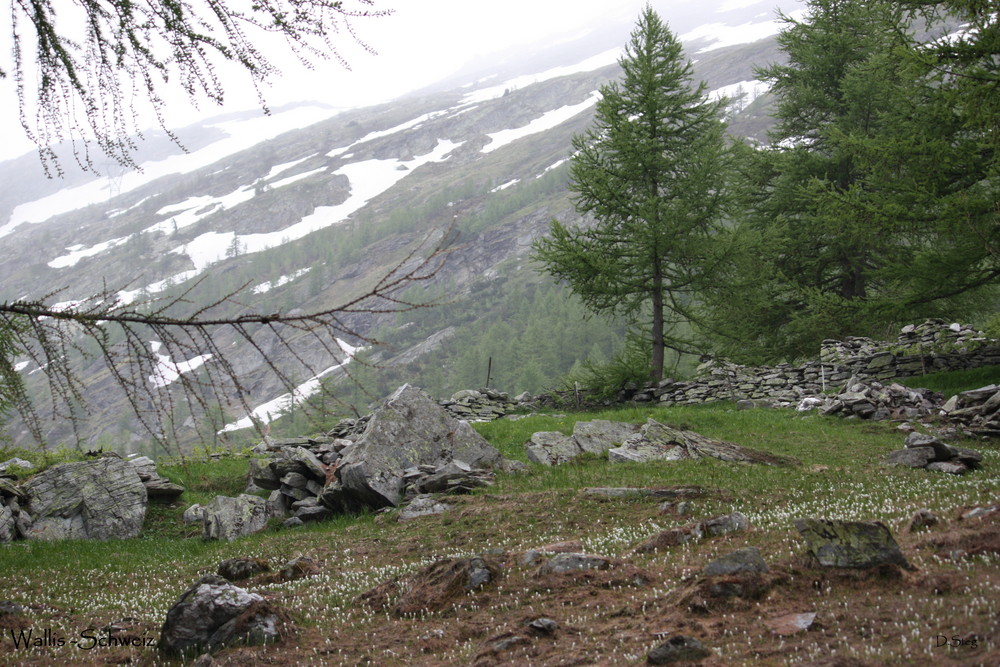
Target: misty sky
(421, 43)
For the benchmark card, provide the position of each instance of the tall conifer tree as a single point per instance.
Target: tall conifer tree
(650, 172)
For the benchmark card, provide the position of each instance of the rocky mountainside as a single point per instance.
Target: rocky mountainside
(306, 208)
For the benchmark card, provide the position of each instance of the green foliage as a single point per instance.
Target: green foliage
(652, 172)
(955, 382)
(872, 206)
(628, 367)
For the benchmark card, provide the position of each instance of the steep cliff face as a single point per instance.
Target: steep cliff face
(311, 205)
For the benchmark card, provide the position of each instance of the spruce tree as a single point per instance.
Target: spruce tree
(649, 173)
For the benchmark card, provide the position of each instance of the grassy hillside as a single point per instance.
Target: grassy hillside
(605, 617)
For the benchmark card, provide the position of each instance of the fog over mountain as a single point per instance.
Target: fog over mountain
(310, 204)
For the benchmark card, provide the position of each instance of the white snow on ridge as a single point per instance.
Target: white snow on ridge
(721, 35)
(368, 178)
(492, 92)
(78, 252)
(268, 412)
(554, 165)
(241, 135)
(546, 121)
(167, 371)
(283, 280)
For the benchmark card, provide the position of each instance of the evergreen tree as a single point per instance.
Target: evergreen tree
(855, 211)
(650, 172)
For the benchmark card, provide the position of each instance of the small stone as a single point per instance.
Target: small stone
(791, 623)
(544, 626)
(723, 525)
(572, 562)
(293, 522)
(923, 518)
(951, 467)
(741, 560)
(676, 649)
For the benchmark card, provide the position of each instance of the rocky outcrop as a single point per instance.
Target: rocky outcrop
(99, 499)
(658, 442)
(214, 614)
(593, 437)
(229, 518)
(407, 431)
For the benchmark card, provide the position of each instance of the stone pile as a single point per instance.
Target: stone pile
(484, 405)
(927, 451)
(409, 447)
(870, 399)
(978, 410)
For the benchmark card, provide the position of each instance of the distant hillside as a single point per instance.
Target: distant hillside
(309, 206)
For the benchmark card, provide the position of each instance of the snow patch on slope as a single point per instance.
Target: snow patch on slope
(242, 134)
(273, 409)
(546, 121)
(167, 371)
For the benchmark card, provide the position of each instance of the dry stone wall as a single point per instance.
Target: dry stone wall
(930, 347)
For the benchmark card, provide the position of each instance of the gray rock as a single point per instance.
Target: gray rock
(8, 526)
(98, 499)
(678, 648)
(293, 522)
(850, 544)
(725, 524)
(314, 468)
(145, 466)
(658, 442)
(162, 489)
(229, 518)
(263, 475)
(408, 429)
(600, 435)
(213, 614)
(423, 505)
(741, 560)
(544, 626)
(912, 457)
(194, 514)
(951, 467)
(552, 448)
(15, 463)
(572, 562)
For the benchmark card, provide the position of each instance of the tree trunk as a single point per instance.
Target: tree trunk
(656, 363)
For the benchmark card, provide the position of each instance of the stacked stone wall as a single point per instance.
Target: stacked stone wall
(920, 349)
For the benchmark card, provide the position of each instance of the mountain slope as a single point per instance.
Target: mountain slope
(308, 207)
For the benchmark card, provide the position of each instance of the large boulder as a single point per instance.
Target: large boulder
(850, 544)
(214, 613)
(407, 430)
(99, 499)
(228, 518)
